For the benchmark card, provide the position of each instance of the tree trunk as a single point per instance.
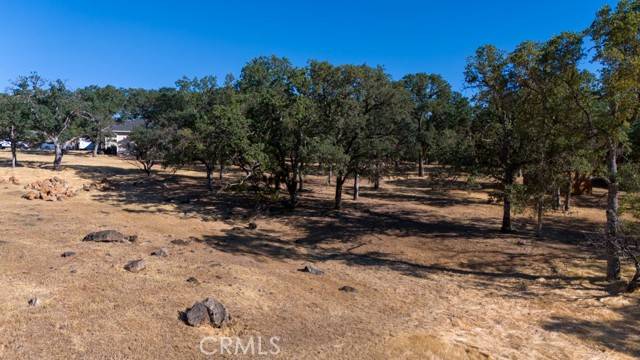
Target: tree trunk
(612, 226)
(292, 189)
(420, 165)
(276, 182)
(356, 186)
(338, 200)
(376, 183)
(57, 160)
(221, 174)
(567, 194)
(539, 209)
(635, 281)
(556, 198)
(96, 144)
(506, 204)
(209, 169)
(14, 146)
(300, 181)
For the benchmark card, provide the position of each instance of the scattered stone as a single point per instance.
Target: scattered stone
(162, 252)
(68, 254)
(14, 180)
(107, 236)
(180, 242)
(198, 315)
(217, 312)
(308, 268)
(348, 288)
(209, 311)
(34, 301)
(135, 266)
(192, 280)
(541, 280)
(53, 189)
(252, 226)
(101, 185)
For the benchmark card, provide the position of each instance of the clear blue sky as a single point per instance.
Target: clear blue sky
(152, 43)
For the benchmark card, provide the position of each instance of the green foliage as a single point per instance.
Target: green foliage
(98, 108)
(148, 146)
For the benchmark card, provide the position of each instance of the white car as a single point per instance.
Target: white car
(5, 144)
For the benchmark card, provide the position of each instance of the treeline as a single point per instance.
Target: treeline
(536, 114)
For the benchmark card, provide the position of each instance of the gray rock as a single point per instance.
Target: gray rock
(308, 268)
(135, 265)
(160, 252)
(192, 280)
(180, 242)
(348, 288)
(218, 314)
(68, 254)
(198, 315)
(106, 236)
(34, 301)
(252, 226)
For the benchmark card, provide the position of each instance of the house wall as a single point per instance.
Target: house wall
(121, 141)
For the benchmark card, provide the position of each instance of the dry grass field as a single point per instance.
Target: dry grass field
(434, 277)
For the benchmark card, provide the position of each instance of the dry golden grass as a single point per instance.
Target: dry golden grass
(434, 278)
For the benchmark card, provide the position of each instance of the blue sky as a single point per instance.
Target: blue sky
(153, 43)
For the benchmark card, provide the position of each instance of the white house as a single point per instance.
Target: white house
(120, 139)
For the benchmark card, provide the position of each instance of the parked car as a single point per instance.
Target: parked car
(23, 145)
(5, 144)
(47, 146)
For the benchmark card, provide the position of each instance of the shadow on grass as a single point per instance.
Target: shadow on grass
(620, 334)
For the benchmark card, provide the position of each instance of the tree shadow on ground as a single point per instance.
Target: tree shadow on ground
(619, 334)
(446, 184)
(325, 234)
(132, 190)
(340, 237)
(430, 198)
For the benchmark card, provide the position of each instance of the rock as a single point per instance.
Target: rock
(198, 315)
(192, 280)
(135, 266)
(217, 312)
(31, 195)
(68, 254)
(252, 226)
(14, 180)
(106, 236)
(180, 242)
(34, 301)
(348, 288)
(209, 311)
(133, 238)
(53, 189)
(308, 268)
(162, 252)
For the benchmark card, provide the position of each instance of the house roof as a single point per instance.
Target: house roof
(127, 125)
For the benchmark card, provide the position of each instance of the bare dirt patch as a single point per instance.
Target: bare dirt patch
(434, 277)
